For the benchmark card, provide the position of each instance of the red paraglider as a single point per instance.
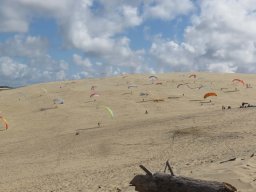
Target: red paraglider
(238, 80)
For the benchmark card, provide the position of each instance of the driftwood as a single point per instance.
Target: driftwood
(162, 182)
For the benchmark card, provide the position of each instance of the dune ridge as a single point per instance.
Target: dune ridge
(78, 146)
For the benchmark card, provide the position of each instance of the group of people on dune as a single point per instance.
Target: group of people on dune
(223, 107)
(245, 105)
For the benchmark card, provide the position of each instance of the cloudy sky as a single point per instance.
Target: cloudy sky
(53, 40)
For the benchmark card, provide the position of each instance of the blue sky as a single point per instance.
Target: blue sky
(42, 41)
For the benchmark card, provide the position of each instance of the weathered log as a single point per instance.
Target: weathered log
(160, 182)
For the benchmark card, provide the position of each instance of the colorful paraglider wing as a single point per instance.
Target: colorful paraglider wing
(209, 94)
(238, 80)
(110, 111)
(4, 122)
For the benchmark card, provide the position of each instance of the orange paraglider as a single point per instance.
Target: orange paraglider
(238, 80)
(209, 94)
(4, 122)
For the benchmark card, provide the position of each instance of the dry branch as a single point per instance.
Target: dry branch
(161, 182)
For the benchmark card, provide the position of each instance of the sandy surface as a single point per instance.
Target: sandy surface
(59, 147)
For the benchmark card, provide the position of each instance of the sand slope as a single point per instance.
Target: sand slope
(51, 147)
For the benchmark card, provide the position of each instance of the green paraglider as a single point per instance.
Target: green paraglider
(110, 111)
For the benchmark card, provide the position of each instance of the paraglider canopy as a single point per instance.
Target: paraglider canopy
(4, 123)
(181, 84)
(192, 75)
(110, 111)
(153, 77)
(58, 101)
(130, 86)
(209, 94)
(239, 81)
(94, 95)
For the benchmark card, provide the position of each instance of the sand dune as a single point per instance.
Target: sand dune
(60, 147)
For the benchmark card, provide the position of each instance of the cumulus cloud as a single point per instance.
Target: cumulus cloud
(178, 56)
(24, 46)
(221, 38)
(81, 62)
(12, 69)
(26, 60)
(94, 31)
(15, 16)
(167, 9)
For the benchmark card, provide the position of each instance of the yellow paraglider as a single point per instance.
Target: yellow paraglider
(107, 109)
(110, 111)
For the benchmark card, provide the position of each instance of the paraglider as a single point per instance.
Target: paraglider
(109, 111)
(4, 123)
(131, 86)
(144, 94)
(153, 77)
(58, 101)
(193, 75)
(181, 84)
(94, 95)
(239, 81)
(209, 94)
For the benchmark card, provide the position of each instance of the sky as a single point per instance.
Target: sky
(43, 41)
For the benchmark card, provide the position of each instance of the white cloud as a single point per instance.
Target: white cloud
(178, 56)
(167, 9)
(94, 27)
(94, 32)
(12, 69)
(222, 67)
(24, 46)
(26, 60)
(221, 38)
(15, 16)
(81, 62)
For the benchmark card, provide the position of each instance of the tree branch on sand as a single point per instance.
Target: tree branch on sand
(162, 182)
